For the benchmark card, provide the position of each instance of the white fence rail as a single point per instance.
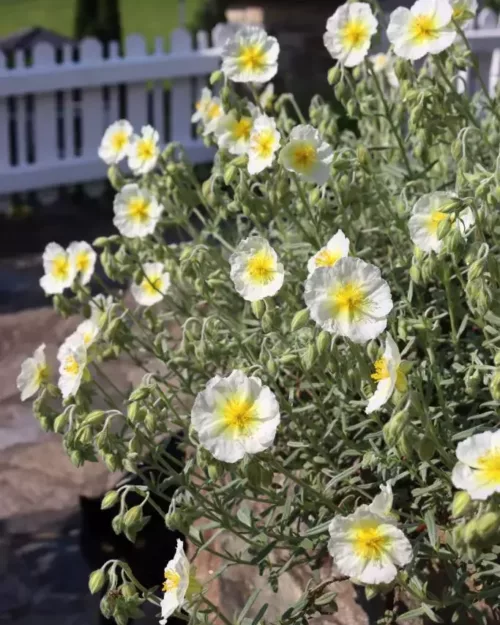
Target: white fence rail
(54, 110)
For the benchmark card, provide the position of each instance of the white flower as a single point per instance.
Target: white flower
(176, 583)
(264, 142)
(255, 269)
(85, 334)
(388, 375)
(153, 286)
(307, 155)
(461, 9)
(34, 372)
(384, 64)
(336, 248)
(235, 416)
(349, 33)
(233, 132)
(99, 307)
(426, 28)
(368, 547)
(59, 271)
(73, 360)
(250, 56)
(478, 469)
(428, 213)
(349, 299)
(202, 105)
(115, 142)
(136, 211)
(83, 258)
(212, 116)
(143, 151)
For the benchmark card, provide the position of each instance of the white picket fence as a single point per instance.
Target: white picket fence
(53, 111)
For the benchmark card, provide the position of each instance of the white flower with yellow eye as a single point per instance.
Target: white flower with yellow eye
(426, 28)
(255, 269)
(60, 272)
(233, 132)
(143, 151)
(202, 105)
(212, 116)
(176, 583)
(350, 299)
(250, 56)
(85, 334)
(478, 469)
(115, 142)
(307, 155)
(73, 360)
(264, 143)
(384, 64)
(336, 248)
(428, 213)
(388, 375)
(153, 286)
(349, 33)
(34, 372)
(368, 547)
(464, 11)
(83, 258)
(136, 211)
(235, 416)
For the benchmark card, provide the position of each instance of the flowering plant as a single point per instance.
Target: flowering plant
(337, 375)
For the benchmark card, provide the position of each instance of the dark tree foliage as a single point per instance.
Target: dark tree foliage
(98, 18)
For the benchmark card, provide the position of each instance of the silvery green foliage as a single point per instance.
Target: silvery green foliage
(329, 456)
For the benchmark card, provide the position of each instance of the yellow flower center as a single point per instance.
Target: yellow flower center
(354, 34)
(172, 580)
(369, 541)
(489, 467)
(242, 128)
(348, 300)
(424, 28)
(304, 157)
(119, 140)
(151, 285)
(213, 111)
(146, 149)
(264, 143)
(239, 416)
(327, 258)
(42, 374)
(71, 366)
(434, 220)
(261, 267)
(60, 267)
(138, 210)
(82, 261)
(252, 58)
(382, 372)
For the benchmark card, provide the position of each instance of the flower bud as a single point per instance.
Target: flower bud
(151, 422)
(323, 342)
(215, 76)
(487, 525)
(415, 274)
(230, 174)
(406, 442)
(444, 228)
(334, 74)
(271, 366)
(60, 422)
(133, 517)
(476, 269)
(267, 322)
(393, 429)
(258, 308)
(461, 503)
(111, 462)
(426, 448)
(94, 418)
(77, 458)
(495, 385)
(97, 579)
(110, 499)
(116, 178)
(128, 590)
(100, 242)
(496, 360)
(300, 319)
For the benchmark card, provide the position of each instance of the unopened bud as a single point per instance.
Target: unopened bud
(116, 177)
(60, 423)
(470, 532)
(323, 342)
(461, 503)
(334, 74)
(426, 448)
(95, 417)
(216, 76)
(271, 366)
(495, 385)
(258, 308)
(133, 517)
(97, 579)
(229, 174)
(487, 525)
(267, 322)
(110, 499)
(444, 228)
(300, 319)
(393, 429)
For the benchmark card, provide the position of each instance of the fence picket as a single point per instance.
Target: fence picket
(4, 124)
(181, 93)
(158, 97)
(68, 109)
(486, 19)
(91, 102)
(135, 47)
(45, 110)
